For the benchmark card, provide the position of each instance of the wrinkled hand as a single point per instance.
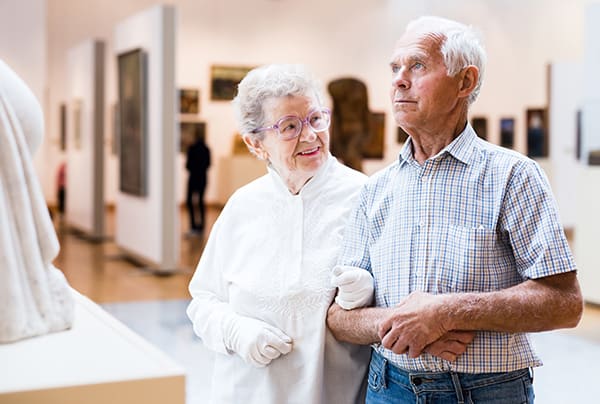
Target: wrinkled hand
(355, 286)
(413, 324)
(451, 345)
(255, 341)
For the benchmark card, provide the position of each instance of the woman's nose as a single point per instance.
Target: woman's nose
(307, 134)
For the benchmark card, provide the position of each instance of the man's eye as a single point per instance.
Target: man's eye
(395, 69)
(418, 66)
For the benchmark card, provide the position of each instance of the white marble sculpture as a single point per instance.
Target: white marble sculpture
(35, 297)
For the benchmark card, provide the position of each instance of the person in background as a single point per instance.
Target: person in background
(61, 187)
(459, 234)
(197, 164)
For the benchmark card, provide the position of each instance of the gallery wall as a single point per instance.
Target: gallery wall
(23, 47)
(336, 38)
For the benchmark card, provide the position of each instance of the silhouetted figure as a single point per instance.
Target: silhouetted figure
(197, 163)
(61, 187)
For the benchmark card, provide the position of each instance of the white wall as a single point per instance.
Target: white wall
(23, 48)
(85, 168)
(335, 38)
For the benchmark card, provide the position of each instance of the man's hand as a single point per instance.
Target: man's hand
(451, 345)
(414, 324)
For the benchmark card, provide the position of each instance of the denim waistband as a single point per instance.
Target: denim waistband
(440, 381)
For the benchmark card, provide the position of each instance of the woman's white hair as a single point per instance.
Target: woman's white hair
(461, 46)
(265, 82)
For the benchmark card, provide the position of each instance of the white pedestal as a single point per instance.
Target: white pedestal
(236, 171)
(98, 361)
(587, 232)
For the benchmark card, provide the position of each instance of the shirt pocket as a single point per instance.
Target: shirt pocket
(469, 259)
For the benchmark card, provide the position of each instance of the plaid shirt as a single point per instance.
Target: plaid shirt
(475, 217)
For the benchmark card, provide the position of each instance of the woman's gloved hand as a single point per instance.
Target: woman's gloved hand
(355, 286)
(255, 341)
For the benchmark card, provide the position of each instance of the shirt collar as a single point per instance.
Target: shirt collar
(461, 147)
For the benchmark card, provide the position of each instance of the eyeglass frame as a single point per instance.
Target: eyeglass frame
(303, 122)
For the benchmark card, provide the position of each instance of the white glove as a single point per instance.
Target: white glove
(355, 286)
(255, 341)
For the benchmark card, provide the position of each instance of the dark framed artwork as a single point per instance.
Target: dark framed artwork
(373, 148)
(116, 128)
(537, 132)
(479, 124)
(189, 133)
(189, 101)
(132, 122)
(63, 127)
(507, 132)
(77, 111)
(401, 135)
(224, 81)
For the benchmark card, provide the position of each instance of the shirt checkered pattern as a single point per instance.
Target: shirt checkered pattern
(475, 217)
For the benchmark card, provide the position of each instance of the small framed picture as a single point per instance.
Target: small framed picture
(189, 101)
(224, 81)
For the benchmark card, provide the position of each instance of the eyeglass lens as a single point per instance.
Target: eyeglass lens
(290, 127)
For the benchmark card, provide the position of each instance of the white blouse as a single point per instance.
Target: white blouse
(269, 256)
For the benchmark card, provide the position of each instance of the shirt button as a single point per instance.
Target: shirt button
(424, 178)
(421, 223)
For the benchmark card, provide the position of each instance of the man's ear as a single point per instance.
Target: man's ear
(468, 80)
(255, 146)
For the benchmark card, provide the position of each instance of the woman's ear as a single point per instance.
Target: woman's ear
(255, 146)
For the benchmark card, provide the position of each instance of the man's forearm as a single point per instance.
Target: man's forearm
(358, 326)
(535, 305)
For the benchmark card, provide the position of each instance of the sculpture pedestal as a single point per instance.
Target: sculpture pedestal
(236, 171)
(97, 361)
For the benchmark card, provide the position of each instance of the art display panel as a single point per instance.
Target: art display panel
(132, 122)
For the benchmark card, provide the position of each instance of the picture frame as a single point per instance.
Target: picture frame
(224, 80)
(190, 131)
(480, 125)
(373, 148)
(132, 89)
(63, 126)
(537, 132)
(507, 132)
(401, 135)
(189, 101)
(77, 107)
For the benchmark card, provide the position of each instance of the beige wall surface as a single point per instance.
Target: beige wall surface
(335, 38)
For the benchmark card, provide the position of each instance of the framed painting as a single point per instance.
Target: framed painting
(189, 101)
(401, 135)
(77, 111)
(132, 122)
(373, 147)
(537, 132)
(63, 127)
(189, 133)
(507, 132)
(479, 124)
(224, 81)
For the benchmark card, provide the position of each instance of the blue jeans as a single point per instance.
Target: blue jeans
(390, 384)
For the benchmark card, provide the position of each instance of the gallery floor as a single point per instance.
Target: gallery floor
(154, 307)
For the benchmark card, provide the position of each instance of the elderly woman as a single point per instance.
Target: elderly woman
(262, 287)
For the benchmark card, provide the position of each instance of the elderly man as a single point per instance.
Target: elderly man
(459, 234)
